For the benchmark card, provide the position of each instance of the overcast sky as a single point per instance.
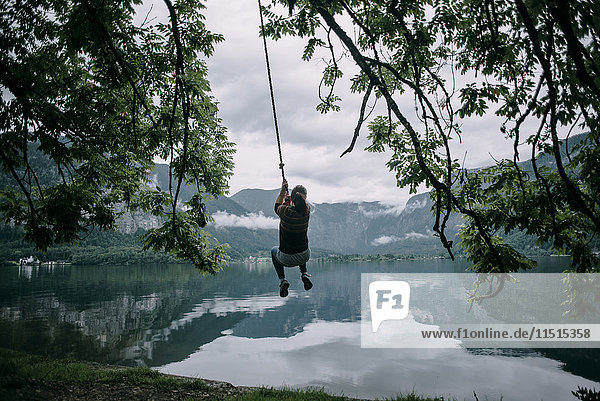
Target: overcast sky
(311, 142)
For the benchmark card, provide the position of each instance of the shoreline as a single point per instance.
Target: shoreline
(26, 376)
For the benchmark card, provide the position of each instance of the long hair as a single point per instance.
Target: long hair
(299, 202)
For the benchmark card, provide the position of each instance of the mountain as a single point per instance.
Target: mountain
(226, 204)
(411, 230)
(345, 227)
(257, 200)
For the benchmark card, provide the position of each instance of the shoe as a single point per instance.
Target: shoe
(283, 288)
(306, 280)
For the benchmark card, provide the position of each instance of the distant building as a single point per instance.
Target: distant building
(29, 261)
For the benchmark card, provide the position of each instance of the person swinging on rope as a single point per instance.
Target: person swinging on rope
(293, 250)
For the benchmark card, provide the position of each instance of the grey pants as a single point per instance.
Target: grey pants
(281, 260)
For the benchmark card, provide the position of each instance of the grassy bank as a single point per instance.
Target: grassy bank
(25, 377)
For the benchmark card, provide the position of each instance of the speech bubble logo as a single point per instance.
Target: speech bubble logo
(389, 300)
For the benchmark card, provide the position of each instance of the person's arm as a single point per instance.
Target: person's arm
(282, 194)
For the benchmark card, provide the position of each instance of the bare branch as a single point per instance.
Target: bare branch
(361, 119)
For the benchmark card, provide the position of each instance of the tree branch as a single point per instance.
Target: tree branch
(562, 15)
(361, 119)
(118, 57)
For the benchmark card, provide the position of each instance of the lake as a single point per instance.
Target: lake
(235, 327)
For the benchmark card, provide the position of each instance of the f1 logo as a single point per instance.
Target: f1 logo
(389, 300)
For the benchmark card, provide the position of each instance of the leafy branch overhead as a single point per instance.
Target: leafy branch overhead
(533, 65)
(103, 98)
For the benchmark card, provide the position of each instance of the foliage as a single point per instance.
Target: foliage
(287, 395)
(534, 65)
(312, 394)
(582, 293)
(97, 248)
(18, 366)
(102, 97)
(586, 394)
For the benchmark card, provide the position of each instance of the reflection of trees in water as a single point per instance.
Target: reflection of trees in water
(169, 345)
(53, 339)
(582, 362)
(101, 332)
(93, 313)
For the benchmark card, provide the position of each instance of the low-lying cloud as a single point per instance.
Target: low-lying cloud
(416, 204)
(387, 239)
(393, 210)
(415, 235)
(251, 221)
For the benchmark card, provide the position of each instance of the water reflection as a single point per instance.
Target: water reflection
(235, 327)
(328, 354)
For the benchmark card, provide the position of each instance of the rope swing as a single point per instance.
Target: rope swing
(262, 27)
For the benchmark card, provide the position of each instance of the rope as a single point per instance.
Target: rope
(262, 27)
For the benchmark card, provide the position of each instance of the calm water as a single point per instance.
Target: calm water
(235, 327)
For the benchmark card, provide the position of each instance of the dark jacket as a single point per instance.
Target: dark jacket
(293, 228)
